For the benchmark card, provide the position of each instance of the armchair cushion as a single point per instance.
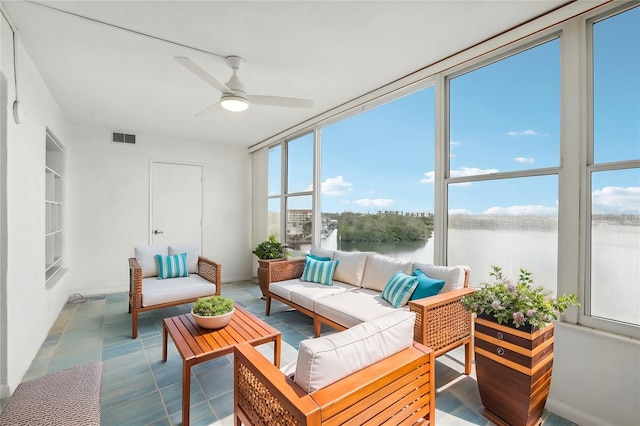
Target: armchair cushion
(192, 250)
(453, 276)
(324, 360)
(156, 292)
(172, 266)
(146, 257)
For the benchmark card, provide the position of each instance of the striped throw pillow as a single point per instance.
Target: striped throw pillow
(172, 266)
(319, 271)
(399, 289)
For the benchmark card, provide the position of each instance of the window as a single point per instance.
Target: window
(613, 287)
(53, 203)
(504, 157)
(377, 179)
(299, 213)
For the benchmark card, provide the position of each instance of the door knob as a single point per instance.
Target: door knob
(157, 232)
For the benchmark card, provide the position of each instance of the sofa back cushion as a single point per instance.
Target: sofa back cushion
(192, 250)
(453, 276)
(321, 252)
(146, 257)
(350, 270)
(327, 359)
(381, 268)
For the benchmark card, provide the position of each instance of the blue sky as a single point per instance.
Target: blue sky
(504, 117)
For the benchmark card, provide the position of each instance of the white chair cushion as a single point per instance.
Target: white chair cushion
(453, 276)
(329, 358)
(306, 294)
(350, 308)
(350, 270)
(192, 250)
(321, 252)
(381, 268)
(156, 292)
(146, 257)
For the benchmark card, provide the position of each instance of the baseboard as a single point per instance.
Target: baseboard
(576, 416)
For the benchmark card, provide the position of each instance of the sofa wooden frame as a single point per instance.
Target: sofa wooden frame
(442, 323)
(399, 389)
(207, 269)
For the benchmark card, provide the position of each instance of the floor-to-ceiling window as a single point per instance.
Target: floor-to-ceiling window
(504, 157)
(613, 170)
(377, 179)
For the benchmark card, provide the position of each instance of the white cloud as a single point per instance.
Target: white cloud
(374, 202)
(615, 199)
(529, 210)
(459, 211)
(429, 177)
(523, 133)
(455, 143)
(335, 186)
(525, 160)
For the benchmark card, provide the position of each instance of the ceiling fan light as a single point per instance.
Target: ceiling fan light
(234, 103)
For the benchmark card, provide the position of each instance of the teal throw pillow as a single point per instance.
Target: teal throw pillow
(172, 266)
(313, 256)
(319, 271)
(399, 289)
(427, 286)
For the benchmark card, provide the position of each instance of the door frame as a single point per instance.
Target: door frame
(177, 163)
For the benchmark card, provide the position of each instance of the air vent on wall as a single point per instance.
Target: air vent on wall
(124, 138)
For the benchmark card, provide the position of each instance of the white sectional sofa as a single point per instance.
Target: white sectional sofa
(355, 296)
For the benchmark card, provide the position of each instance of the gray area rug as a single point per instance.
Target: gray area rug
(69, 397)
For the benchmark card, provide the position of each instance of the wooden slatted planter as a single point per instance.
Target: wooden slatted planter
(513, 368)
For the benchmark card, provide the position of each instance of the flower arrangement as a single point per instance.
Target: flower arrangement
(518, 304)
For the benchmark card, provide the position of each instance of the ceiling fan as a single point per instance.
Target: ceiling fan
(234, 96)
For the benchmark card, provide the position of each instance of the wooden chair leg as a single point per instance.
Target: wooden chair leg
(317, 327)
(134, 324)
(468, 355)
(267, 306)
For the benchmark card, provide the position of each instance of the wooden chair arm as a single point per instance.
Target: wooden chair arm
(264, 395)
(441, 320)
(210, 271)
(285, 270)
(135, 284)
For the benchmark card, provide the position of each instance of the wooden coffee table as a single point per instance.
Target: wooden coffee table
(197, 345)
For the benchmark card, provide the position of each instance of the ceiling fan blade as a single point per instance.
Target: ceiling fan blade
(281, 102)
(205, 76)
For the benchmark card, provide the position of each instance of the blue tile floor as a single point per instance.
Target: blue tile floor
(139, 389)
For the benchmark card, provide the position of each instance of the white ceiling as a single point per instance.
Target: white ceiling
(327, 51)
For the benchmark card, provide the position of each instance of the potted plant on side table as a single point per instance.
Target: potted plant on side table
(213, 312)
(513, 344)
(268, 251)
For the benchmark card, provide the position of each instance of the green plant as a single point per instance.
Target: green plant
(517, 304)
(212, 306)
(270, 249)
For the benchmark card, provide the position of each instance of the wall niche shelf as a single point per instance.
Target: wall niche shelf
(53, 207)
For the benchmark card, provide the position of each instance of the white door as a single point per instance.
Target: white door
(176, 203)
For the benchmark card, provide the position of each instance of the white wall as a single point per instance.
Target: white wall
(25, 278)
(107, 203)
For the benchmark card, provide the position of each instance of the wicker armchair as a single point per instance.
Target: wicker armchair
(442, 323)
(209, 272)
(399, 389)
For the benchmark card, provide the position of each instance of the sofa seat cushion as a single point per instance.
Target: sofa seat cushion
(327, 359)
(305, 293)
(156, 292)
(350, 270)
(453, 276)
(381, 268)
(350, 308)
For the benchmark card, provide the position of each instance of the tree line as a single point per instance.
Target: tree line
(383, 227)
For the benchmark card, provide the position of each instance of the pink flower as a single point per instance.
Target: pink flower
(495, 304)
(531, 312)
(518, 317)
(511, 288)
